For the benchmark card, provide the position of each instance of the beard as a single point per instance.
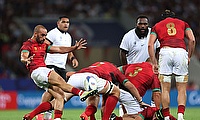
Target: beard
(141, 34)
(39, 41)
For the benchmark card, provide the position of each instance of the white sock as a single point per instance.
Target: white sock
(57, 119)
(166, 118)
(180, 116)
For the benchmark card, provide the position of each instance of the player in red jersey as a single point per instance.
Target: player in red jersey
(107, 71)
(173, 58)
(33, 53)
(143, 78)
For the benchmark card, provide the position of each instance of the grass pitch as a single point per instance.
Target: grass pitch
(73, 114)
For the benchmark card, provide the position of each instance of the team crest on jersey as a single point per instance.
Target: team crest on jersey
(35, 48)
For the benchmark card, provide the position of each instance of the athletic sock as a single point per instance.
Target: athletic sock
(41, 108)
(118, 118)
(166, 112)
(77, 91)
(92, 117)
(57, 114)
(172, 117)
(181, 109)
(109, 106)
(90, 109)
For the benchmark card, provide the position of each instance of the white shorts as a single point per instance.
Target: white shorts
(77, 80)
(40, 77)
(130, 103)
(173, 60)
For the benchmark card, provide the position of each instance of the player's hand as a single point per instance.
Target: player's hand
(143, 105)
(155, 68)
(188, 61)
(81, 44)
(74, 63)
(29, 59)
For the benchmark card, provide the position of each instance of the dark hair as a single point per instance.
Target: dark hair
(64, 16)
(167, 13)
(141, 16)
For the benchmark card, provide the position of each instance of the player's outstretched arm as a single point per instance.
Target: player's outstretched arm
(61, 49)
(135, 93)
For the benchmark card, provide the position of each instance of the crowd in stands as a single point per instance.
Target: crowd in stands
(11, 36)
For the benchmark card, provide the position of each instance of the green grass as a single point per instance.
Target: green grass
(73, 114)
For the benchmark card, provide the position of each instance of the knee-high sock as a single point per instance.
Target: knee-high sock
(181, 109)
(41, 108)
(76, 91)
(109, 107)
(90, 111)
(57, 114)
(165, 112)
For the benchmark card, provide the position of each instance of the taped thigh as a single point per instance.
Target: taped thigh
(165, 78)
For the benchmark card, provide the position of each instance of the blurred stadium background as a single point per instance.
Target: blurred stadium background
(102, 22)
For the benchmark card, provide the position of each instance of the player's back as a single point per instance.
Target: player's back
(141, 75)
(170, 32)
(101, 69)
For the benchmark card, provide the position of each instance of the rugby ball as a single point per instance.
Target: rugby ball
(90, 83)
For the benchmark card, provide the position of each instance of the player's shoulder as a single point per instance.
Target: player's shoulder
(29, 41)
(54, 30)
(131, 31)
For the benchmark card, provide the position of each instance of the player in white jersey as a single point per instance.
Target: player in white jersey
(58, 37)
(134, 45)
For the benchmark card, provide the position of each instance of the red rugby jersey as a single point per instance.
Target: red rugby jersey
(103, 70)
(170, 32)
(142, 76)
(39, 50)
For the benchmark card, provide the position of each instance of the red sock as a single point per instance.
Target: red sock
(118, 118)
(92, 117)
(41, 108)
(181, 109)
(172, 117)
(166, 112)
(77, 91)
(91, 109)
(57, 114)
(109, 107)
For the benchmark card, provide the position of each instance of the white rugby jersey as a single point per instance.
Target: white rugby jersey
(58, 39)
(137, 48)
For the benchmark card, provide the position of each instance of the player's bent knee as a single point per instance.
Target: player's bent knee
(181, 78)
(110, 88)
(165, 78)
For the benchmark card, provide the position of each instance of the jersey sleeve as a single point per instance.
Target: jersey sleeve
(26, 47)
(153, 30)
(120, 76)
(187, 27)
(51, 36)
(124, 43)
(156, 84)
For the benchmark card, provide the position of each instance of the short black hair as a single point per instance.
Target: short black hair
(64, 16)
(141, 16)
(167, 13)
